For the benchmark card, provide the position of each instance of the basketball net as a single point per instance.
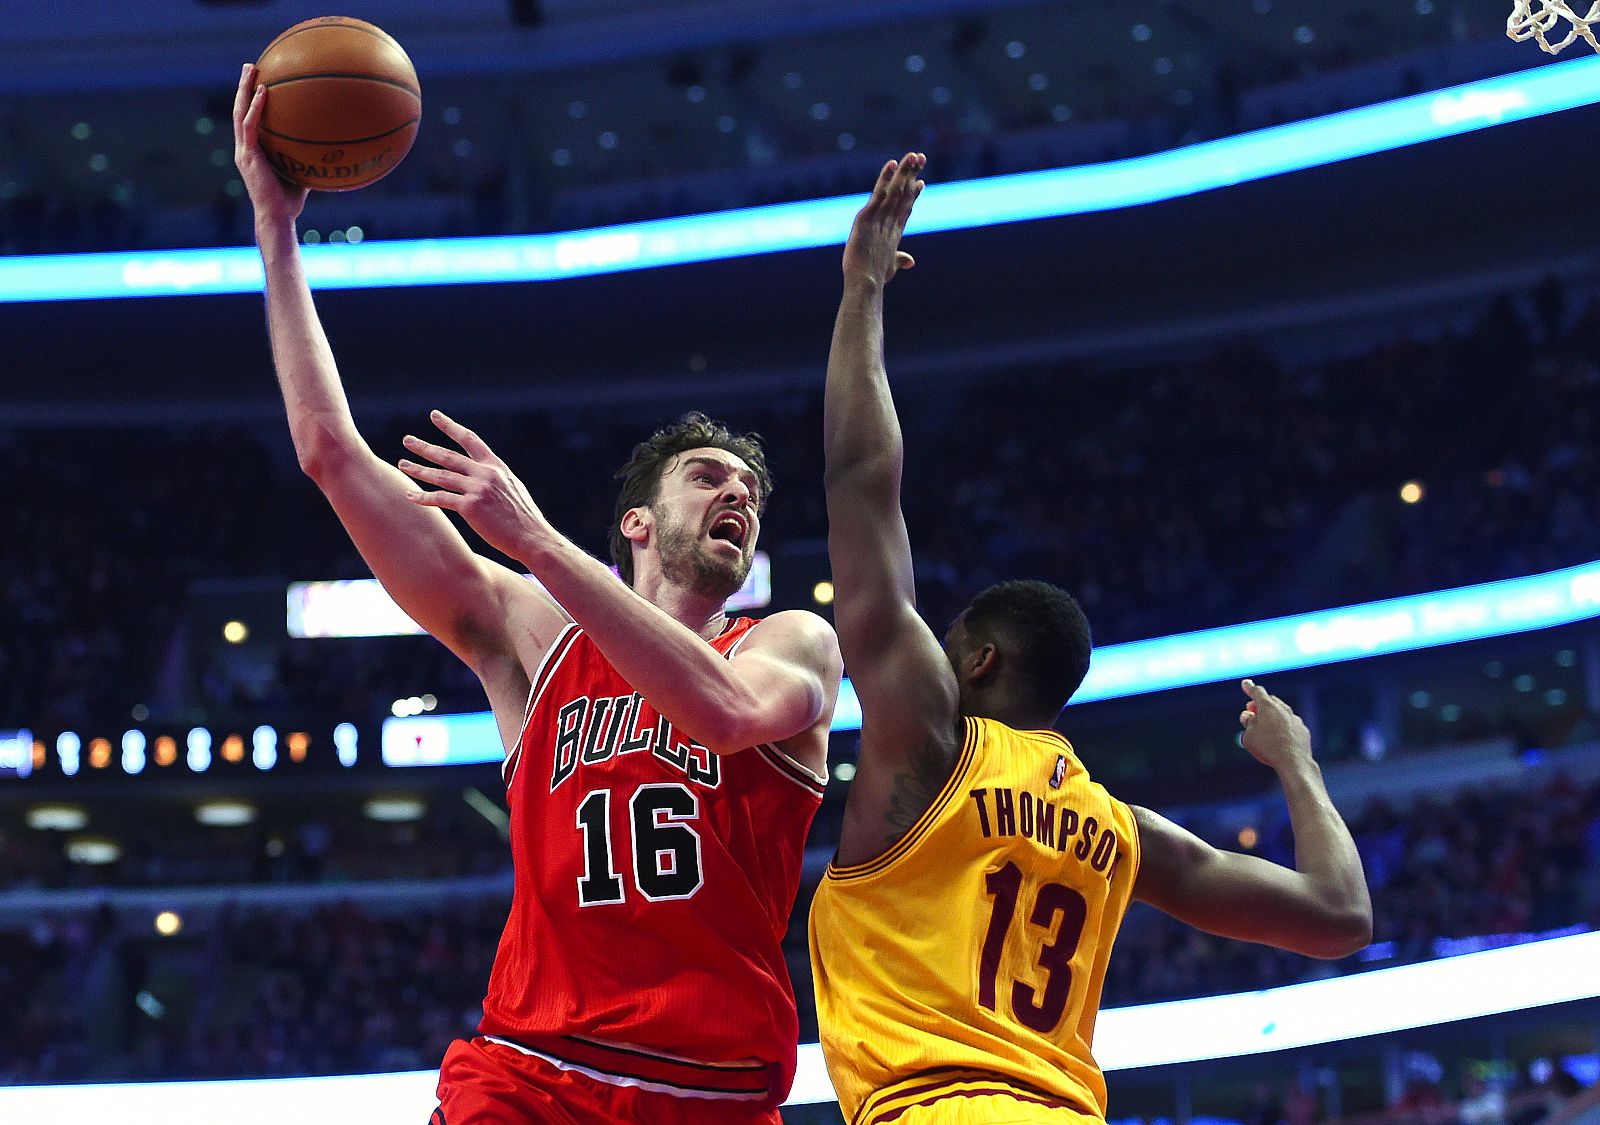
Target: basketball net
(1537, 19)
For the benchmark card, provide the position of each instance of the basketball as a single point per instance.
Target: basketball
(344, 103)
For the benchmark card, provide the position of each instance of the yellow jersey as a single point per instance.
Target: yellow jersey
(976, 946)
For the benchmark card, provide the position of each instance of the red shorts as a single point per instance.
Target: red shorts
(486, 1083)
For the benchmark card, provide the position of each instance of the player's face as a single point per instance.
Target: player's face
(707, 516)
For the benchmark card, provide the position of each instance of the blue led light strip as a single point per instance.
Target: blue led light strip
(1258, 648)
(1247, 1023)
(822, 222)
(1469, 613)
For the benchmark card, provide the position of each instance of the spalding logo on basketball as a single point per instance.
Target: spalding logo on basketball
(344, 103)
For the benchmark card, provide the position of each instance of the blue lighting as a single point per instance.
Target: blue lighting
(1258, 648)
(1470, 613)
(1381, 1002)
(960, 205)
(16, 753)
(441, 740)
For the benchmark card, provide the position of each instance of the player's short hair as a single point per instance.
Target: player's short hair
(1043, 634)
(641, 475)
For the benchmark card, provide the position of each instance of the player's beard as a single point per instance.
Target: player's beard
(685, 562)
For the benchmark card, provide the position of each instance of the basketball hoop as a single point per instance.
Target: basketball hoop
(1537, 19)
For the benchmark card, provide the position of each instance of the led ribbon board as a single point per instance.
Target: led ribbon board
(1496, 981)
(1185, 1031)
(1257, 648)
(473, 739)
(960, 205)
(1467, 613)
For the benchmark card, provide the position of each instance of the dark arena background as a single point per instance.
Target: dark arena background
(1270, 328)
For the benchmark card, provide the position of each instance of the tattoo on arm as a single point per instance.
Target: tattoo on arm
(914, 791)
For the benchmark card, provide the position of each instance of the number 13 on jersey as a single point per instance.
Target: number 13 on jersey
(1050, 928)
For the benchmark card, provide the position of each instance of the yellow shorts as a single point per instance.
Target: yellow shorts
(970, 1101)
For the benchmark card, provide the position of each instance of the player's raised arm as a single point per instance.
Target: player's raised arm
(907, 689)
(784, 679)
(480, 610)
(1321, 908)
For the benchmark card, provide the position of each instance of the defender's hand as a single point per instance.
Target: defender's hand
(478, 485)
(1273, 733)
(873, 251)
(272, 198)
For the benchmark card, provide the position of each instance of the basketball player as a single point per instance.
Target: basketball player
(959, 939)
(663, 760)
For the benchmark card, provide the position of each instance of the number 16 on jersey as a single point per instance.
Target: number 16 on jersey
(662, 842)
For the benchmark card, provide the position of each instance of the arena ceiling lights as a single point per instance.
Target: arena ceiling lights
(1491, 983)
(961, 205)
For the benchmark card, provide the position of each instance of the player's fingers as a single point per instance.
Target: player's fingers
(476, 447)
(885, 178)
(435, 500)
(241, 96)
(443, 478)
(255, 103)
(903, 198)
(904, 261)
(905, 189)
(252, 117)
(1245, 717)
(449, 458)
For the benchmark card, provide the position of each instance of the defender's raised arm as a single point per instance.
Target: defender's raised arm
(1321, 908)
(907, 689)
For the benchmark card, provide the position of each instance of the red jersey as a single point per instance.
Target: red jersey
(654, 881)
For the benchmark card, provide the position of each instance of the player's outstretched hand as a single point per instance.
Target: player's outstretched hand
(475, 483)
(873, 251)
(272, 198)
(1273, 733)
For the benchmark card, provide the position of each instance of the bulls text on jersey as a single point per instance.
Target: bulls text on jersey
(591, 731)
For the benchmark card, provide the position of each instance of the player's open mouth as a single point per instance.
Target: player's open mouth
(729, 528)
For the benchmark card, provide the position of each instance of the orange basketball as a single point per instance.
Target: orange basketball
(344, 103)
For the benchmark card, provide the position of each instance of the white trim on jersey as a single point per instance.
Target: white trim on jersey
(734, 647)
(624, 1080)
(658, 1053)
(812, 781)
(542, 675)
